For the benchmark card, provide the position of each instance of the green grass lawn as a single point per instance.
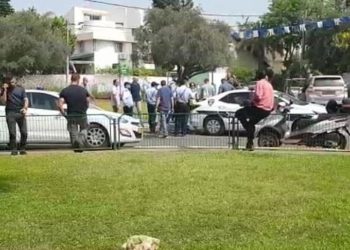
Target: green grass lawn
(189, 200)
(106, 105)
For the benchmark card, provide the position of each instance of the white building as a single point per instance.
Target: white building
(104, 38)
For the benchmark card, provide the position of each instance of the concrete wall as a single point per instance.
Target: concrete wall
(102, 83)
(97, 83)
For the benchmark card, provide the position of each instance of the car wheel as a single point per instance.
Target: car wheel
(97, 137)
(214, 126)
(268, 139)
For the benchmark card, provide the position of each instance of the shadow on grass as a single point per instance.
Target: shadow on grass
(6, 184)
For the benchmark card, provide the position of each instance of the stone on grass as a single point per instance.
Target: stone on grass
(141, 242)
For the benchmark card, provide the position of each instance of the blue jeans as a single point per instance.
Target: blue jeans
(164, 123)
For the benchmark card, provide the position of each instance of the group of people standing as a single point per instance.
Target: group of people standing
(163, 100)
(167, 100)
(127, 96)
(171, 100)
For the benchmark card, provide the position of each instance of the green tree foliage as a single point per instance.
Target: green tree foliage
(175, 4)
(318, 48)
(243, 75)
(185, 40)
(5, 8)
(31, 44)
(326, 54)
(60, 28)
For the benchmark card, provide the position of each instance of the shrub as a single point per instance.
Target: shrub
(243, 75)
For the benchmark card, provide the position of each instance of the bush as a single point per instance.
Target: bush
(278, 82)
(149, 72)
(243, 75)
(134, 72)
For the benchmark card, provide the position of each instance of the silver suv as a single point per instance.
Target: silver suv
(321, 89)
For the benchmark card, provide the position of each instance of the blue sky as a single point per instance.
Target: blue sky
(60, 7)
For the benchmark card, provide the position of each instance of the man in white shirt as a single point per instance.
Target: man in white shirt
(128, 102)
(151, 96)
(116, 95)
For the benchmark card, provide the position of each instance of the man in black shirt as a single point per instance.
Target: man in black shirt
(136, 96)
(77, 99)
(15, 98)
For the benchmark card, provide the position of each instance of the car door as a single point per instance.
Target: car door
(44, 121)
(234, 101)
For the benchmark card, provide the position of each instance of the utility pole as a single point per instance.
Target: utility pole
(67, 59)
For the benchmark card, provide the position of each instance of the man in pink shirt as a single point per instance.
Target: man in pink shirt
(260, 108)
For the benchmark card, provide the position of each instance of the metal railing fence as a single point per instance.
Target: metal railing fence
(194, 130)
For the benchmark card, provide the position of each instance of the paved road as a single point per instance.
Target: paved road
(189, 141)
(203, 141)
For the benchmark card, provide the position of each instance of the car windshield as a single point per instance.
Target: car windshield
(290, 99)
(328, 82)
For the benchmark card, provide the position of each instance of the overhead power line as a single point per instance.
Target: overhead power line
(143, 8)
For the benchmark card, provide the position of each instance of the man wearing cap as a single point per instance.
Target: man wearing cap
(151, 96)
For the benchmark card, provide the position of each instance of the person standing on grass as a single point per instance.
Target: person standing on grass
(183, 95)
(115, 95)
(16, 101)
(128, 102)
(261, 106)
(86, 86)
(77, 99)
(135, 90)
(206, 91)
(151, 96)
(165, 105)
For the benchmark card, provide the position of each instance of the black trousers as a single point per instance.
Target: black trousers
(128, 111)
(12, 119)
(182, 111)
(152, 116)
(77, 126)
(249, 117)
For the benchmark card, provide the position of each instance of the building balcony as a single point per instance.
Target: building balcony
(103, 30)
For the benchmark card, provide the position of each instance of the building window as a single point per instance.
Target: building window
(133, 32)
(81, 46)
(90, 17)
(118, 47)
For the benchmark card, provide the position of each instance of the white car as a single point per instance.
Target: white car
(212, 115)
(321, 89)
(46, 125)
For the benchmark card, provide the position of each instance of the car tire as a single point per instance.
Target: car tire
(97, 136)
(268, 139)
(214, 125)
